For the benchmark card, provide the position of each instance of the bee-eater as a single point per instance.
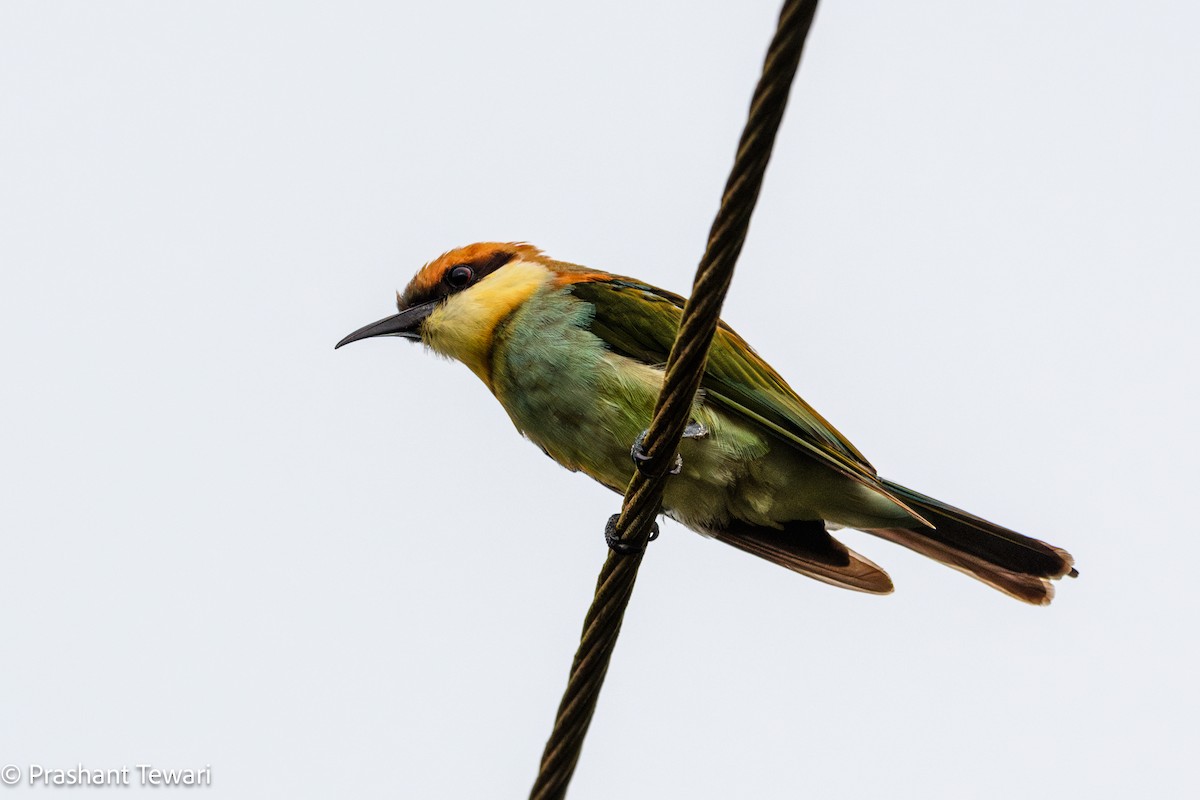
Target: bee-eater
(576, 357)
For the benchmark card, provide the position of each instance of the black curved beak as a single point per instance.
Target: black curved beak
(406, 325)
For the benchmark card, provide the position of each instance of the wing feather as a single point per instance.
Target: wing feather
(640, 322)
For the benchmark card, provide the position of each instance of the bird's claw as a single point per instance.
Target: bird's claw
(694, 430)
(619, 546)
(642, 461)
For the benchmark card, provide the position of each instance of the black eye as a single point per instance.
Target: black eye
(460, 276)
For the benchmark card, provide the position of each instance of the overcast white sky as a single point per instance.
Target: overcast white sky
(344, 574)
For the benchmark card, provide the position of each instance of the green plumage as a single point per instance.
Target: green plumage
(640, 322)
(576, 358)
(578, 368)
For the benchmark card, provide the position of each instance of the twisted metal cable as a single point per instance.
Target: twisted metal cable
(685, 367)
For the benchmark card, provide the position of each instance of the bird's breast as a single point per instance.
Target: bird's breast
(566, 391)
(584, 405)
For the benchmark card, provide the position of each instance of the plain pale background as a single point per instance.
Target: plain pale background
(344, 574)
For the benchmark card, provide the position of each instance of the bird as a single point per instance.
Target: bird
(576, 358)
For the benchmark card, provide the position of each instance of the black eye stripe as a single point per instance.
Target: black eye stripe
(487, 266)
(460, 276)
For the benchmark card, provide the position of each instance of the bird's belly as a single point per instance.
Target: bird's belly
(736, 471)
(744, 474)
(585, 418)
(585, 405)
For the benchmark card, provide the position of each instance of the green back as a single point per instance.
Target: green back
(640, 321)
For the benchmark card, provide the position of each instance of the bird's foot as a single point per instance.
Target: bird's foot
(620, 547)
(694, 430)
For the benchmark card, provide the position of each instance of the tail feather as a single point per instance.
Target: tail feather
(1004, 559)
(806, 547)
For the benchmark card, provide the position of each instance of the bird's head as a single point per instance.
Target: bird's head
(454, 302)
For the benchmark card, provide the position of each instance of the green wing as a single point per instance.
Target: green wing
(640, 322)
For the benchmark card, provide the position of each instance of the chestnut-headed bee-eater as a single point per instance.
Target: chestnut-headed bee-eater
(576, 357)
